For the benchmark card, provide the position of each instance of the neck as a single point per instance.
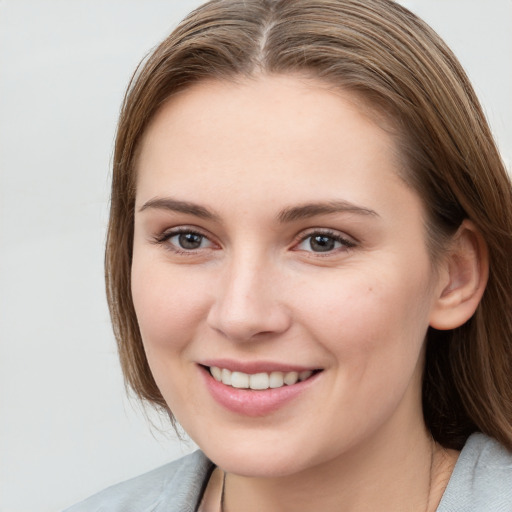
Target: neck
(392, 474)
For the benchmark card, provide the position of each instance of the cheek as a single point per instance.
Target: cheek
(374, 332)
(170, 308)
(375, 321)
(169, 305)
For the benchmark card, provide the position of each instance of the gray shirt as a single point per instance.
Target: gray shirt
(481, 482)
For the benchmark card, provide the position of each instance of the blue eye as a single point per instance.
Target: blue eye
(324, 242)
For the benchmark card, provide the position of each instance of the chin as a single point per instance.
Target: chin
(257, 457)
(258, 465)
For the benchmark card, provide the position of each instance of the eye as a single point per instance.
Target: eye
(189, 241)
(323, 242)
(182, 240)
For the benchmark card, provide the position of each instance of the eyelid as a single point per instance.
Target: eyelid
(348, 242)
(162, 238)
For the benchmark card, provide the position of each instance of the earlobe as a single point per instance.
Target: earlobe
(464, 277)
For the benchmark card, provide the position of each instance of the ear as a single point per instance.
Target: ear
(463, 275)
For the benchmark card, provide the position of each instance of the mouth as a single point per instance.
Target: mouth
(257, 389)
(259, 381)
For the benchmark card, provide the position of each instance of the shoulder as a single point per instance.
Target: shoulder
(177, 486)
(482, 478)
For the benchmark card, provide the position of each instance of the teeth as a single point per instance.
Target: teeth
(276, 380)
(240, 380)
(258, 381)
(291, 378)
(216, 372)
(225, 377)
(305, 375)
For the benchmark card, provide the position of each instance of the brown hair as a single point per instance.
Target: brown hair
(399, 66)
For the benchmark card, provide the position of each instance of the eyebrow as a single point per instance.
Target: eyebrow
(167, 203)
(309, 210)
(291, 214)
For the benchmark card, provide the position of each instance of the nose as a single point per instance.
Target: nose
(248, 304)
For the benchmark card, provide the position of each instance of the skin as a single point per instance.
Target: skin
(255, 289)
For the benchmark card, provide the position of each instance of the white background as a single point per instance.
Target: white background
(66, 427)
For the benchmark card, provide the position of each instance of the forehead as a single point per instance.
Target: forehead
(281, 122)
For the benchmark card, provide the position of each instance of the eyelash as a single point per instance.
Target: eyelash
(164, 238)
(346, 243)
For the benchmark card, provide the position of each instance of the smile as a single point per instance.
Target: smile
(258, 381)
(262, 388)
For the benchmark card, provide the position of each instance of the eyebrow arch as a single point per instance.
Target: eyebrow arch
(168, 203)
(308, 210)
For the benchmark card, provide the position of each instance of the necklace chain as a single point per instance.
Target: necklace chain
(222, 493)
(432, 450)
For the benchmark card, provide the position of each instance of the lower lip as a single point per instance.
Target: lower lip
(253, 403)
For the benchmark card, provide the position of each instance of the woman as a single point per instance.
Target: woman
(308, 265)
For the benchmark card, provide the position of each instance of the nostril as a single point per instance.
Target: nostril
(250, 325)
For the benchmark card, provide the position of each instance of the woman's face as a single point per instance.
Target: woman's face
(274, 240)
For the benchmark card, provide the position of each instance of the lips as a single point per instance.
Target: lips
(253, 389)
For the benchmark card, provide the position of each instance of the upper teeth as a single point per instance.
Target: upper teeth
(258, 380)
